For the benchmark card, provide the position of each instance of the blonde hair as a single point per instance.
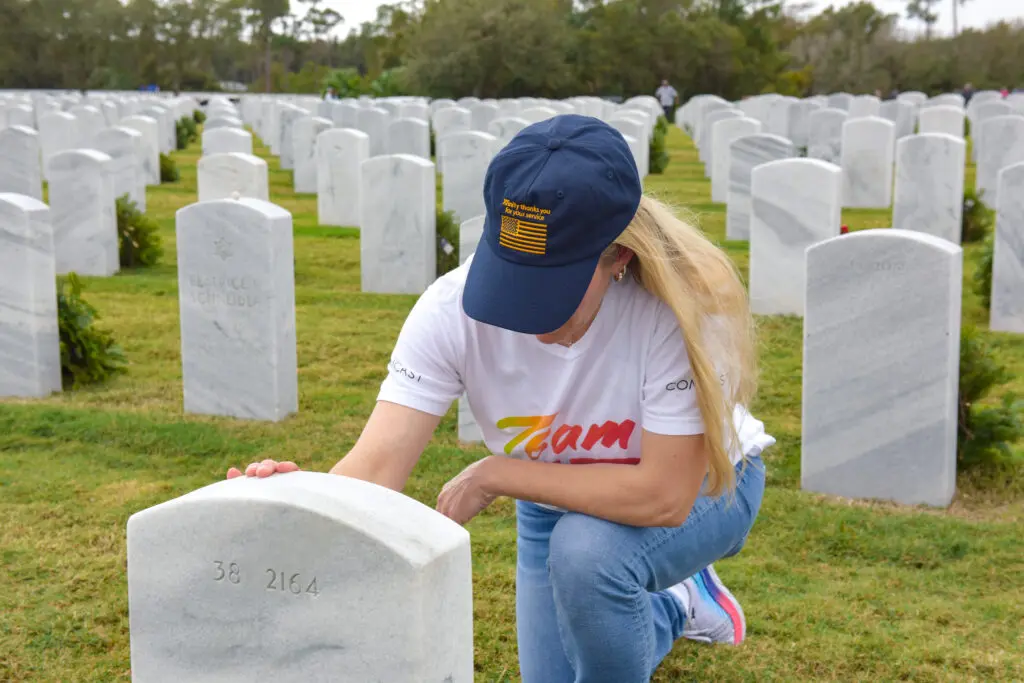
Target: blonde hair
(678, 264)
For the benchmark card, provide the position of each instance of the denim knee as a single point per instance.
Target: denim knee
(581, 554)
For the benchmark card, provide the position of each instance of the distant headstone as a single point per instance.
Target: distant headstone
(29, 337)
(398, 224)
(225, 140)
(538, 114)
(58, 132)
(124, 147)
(222, 176)
(415, 110)
(1007, 310)
(929, 190)
(340, 153)
(868, 149)
(881, 367)
(304, 134)
(795, 203)
(723, 134)
(799, 124)
(903, 115)
(745, 154)
(1002, 146)
(21, 115)
(83, 212)
(635, 134)
(236, 290)
(220, 122)
(409, 136)
(979, 114)
(286, 119)
(840, 100)
(941, 119)
(149, 128)
(90, 122)
(482, 114)
(374, 122)
(466, 158)
(504, 129)
(20, 168)
(825, 134)
(707, 149)
(299, 577)
(449, 120)
(863, 106)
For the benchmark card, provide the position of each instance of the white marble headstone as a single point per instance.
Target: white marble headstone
(150, 130)
(451, 120)
(799, 125)
(868, 148)
(221, 176)
(398, 224)
(795, 203)
(340, 156)
(840, 100)
(538, 114)
(941, 119)
(706, 153)
(409, 136)
(881, 367)
(236, 290)
(1007, 310)
(825, 134)
(58, 132)
(863, 106)
(20, 167)
(124, 147)
(1002, 146)
(466, 158)
(374, 122)
(29, 335)
(481, 115)
(304, 133)
(504, 129)
(929, 194)
(723, 133)
(286, 118)
(745, 154)
(84, 212)
(224, 140)
(299, 577)
(978, 115)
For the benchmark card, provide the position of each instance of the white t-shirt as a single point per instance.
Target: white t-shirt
(581, 404)
(666, 95)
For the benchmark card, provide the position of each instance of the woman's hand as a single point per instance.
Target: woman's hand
(264, 469)
(464, 497)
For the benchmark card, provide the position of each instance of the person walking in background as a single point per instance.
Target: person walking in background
(667, 97)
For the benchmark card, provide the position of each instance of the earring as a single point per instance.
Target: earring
(621, 274)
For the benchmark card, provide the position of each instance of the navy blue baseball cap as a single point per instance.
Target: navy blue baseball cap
(556, 197)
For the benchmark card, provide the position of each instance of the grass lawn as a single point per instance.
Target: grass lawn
(833, 590)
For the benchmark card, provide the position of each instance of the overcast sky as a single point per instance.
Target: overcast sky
(976, 13)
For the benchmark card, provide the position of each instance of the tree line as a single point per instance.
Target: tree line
(496, 48)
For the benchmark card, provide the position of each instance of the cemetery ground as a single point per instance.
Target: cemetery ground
(833, 589)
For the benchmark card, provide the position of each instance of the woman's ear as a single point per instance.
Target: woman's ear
(625, 256)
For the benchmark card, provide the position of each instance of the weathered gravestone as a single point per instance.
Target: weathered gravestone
(466, 158)
(236, 290)
(930, 185)
(150, 131)
(304, 133)
(374, 122)
(286, 119)
(84, 212)
(340, 156)
(29, 336)
(881, 367)
(409, 136)
(302, 577)
(124, 147)
(398, 224)
(20, 168)
(221, 176)
(867, 161)
(504, 129)
(723, 134)
(470, 233)
(746, 154)
(1002, 146)
(225, 140)
(825, 134)
(941, 119)
(795, 203)
(58, 132)
(1007, 310)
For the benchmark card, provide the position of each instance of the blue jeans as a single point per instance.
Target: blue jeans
(589, 600)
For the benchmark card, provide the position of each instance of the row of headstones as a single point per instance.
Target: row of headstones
(829, 131)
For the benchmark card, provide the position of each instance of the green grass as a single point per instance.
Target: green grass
(833, 590)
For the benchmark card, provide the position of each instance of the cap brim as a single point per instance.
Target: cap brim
(522, 298)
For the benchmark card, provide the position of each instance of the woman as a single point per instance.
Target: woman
(591, 327)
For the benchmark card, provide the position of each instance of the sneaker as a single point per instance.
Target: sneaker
(713, 615)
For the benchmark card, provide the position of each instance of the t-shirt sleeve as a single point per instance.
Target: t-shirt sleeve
(669, 398)
(423, 370)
